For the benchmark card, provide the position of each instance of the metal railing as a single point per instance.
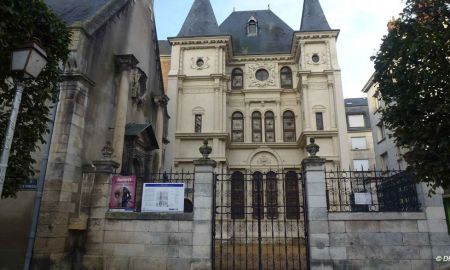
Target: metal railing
(371, 191)
(182, 176)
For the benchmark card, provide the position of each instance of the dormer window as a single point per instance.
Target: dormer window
(252, 27)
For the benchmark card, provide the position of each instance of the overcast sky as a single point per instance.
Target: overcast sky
(362, 24)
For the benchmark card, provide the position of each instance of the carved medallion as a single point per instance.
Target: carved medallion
(255, 80)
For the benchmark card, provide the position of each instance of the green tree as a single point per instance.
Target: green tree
(412, 69)
(21, 21)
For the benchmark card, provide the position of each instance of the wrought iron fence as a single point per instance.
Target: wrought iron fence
(371, 191)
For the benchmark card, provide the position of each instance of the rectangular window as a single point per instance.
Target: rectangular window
(384, 161)
(381, 134)
(359, 143)
(319, 121)
(361, 164)
(198, 123)
(356, 120)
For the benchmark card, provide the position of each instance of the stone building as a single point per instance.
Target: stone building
(387, 154)
(256, 88)
(112, 104)
(359, 134)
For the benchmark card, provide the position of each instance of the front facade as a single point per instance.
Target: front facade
(387, 155)
(257, 89)
(359, 134)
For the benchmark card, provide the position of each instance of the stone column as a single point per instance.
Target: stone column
(103, 171)
(317, 213)
(203, 210)
(124, 63)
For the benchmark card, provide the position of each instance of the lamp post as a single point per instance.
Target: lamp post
(29, 60)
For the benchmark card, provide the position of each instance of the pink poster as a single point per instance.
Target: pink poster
(123, 192)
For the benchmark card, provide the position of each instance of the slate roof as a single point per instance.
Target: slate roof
(200, 21)
(164, 47)
(274, 35)
(72, 11)
(313, 18)
(353, 102)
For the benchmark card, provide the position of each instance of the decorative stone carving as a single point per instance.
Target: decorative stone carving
(200, 63)
(126, 62)
(71, 64)
(322, 58)
(264, 159)
(138, 86)
(107, 150)
(251, 74)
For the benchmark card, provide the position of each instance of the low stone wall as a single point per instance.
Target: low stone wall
(381, 241)
(140, 241)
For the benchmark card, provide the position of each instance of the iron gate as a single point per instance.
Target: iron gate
(259, 221)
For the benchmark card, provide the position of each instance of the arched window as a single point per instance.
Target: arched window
(272, 195)
(286, 77)
(237, 79)
(269, 120)
(237, 196)
(256, 127)
(292, 195)
(252, 29)
(258, 195)
(237, 127)
(289, 126)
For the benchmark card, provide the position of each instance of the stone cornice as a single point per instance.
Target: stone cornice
(316, 35)
(77, 76)
(239, 59)
(204, 41)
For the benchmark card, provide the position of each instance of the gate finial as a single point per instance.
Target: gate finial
(312, 148)
(205, 149)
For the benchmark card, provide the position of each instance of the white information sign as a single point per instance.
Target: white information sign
(363, 198)
(163, 197)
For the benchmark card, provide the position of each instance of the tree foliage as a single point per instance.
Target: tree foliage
(21, 21)
(413, 75)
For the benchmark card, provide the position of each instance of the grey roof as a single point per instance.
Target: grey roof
(274, 35)
(313, 18)
(200, 21)
(353, 102)
(164, 47)
(72, 11)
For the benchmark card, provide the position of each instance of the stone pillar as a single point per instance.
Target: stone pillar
(124, 63)
(203, 211)
(103, 171)
(54, 241)
(317, 213)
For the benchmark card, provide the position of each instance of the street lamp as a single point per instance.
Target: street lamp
(28, 60)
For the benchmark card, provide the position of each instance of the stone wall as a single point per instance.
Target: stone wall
(374, 240)
(380, 241)
(128, 243)
(157, 241)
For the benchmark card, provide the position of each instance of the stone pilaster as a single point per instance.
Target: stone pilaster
(319, 242)
(102, 171)
(203, 213)
(124, 65)
(63, 180)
